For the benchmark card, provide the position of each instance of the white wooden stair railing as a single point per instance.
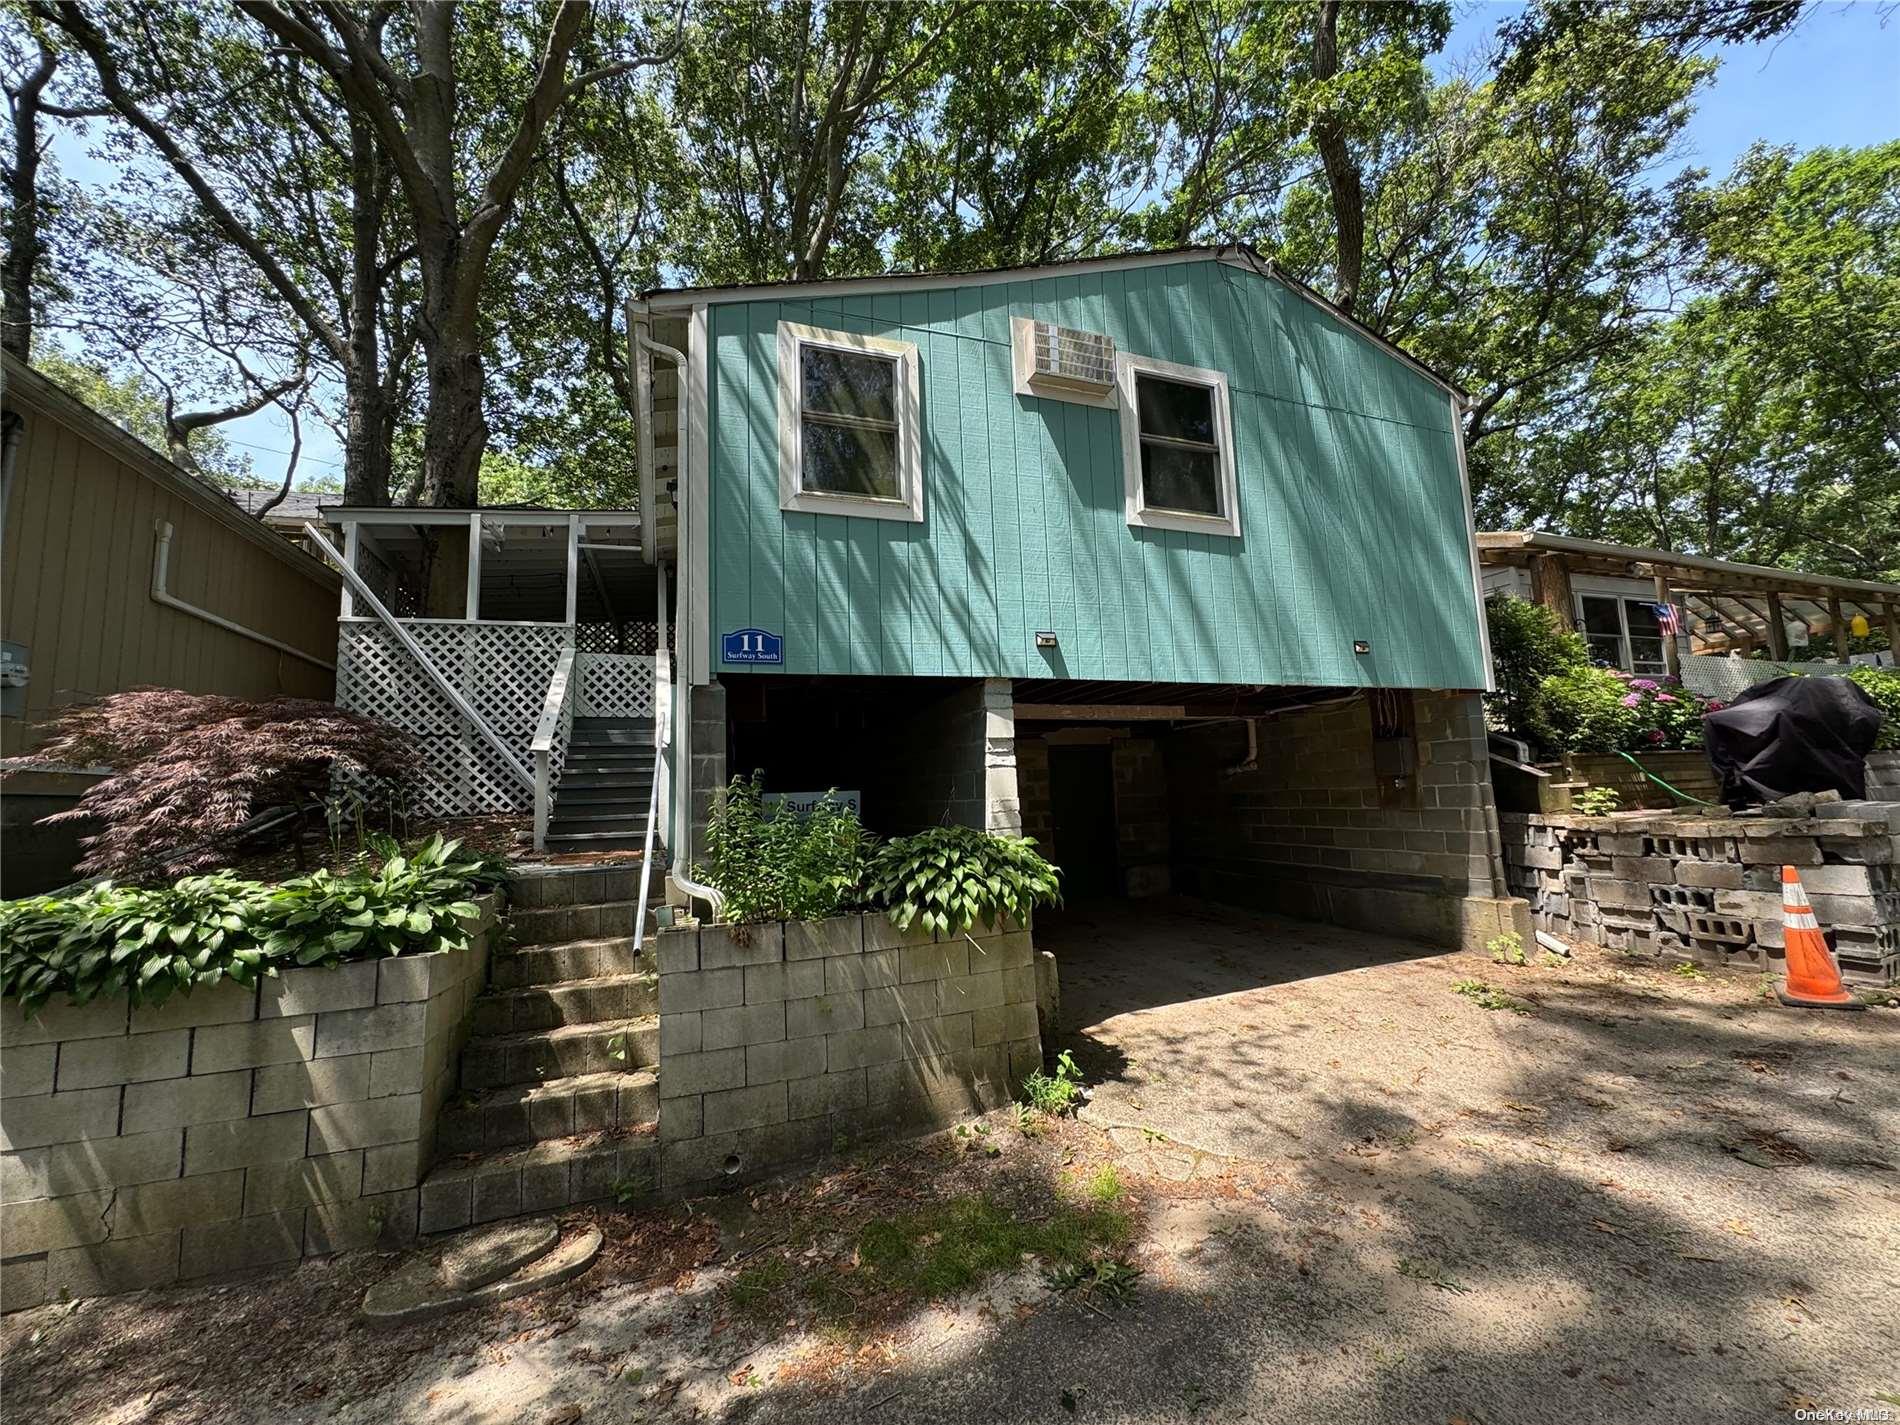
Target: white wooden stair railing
(551, 736)
(402, 636)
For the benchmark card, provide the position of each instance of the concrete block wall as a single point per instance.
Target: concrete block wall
(224, 1129)
(707, 777)
(1883, 776)
(1142, 839)
(1709, 888)
(951, 760)
(780, 1042)
(1309, 830)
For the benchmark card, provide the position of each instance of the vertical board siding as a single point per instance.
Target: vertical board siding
(76, 578)
(1353, 523)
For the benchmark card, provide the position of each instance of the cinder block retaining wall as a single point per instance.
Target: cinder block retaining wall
(1709, 888)
(778, 1042)
(225, 1129)
(1883, 776)
(1312, 829)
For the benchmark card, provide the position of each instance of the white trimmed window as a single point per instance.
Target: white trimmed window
(848, 414)
(1177, 446)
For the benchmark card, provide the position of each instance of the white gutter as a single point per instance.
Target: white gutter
(645, 348)
(161, 570)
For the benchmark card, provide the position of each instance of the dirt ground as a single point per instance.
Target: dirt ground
(1337, 1188)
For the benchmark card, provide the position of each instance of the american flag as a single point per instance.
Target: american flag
(1668, 619)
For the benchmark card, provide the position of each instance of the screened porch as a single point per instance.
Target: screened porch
(486, 633)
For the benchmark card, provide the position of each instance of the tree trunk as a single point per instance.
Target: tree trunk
(366, 448)
(24, 245)
(454, 435)
(1342, 174)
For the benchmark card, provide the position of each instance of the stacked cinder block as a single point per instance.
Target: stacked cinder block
(225, 1129)
(778, 1041)
(1141, 816)
(1709, 888)
(1308, 827)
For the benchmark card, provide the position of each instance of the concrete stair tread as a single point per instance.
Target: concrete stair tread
(589, 905)
(556, 1088)
(590, 942)
(566, 1031)
(599, 982)
(546, 1153)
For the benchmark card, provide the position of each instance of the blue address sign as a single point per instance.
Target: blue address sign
(751, 645)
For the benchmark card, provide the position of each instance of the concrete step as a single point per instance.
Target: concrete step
(560, 1108)
(615, 1166)
(601, 1000)
(497, 1264)
(514, 968)
(597, 841)
(540, 1056)
(540, 887)
(558, 924)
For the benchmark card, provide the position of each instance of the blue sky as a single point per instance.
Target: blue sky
(1834, 81)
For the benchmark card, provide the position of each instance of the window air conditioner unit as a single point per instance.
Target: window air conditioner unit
(1062, 363)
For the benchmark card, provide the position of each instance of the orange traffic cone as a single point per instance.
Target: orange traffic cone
(1813, 980)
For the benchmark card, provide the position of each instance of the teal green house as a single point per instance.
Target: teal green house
(973, 545)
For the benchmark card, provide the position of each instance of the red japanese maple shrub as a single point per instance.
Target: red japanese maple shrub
(190, 769)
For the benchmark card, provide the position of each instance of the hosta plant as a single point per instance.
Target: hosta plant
(409, 903)
(954, 877)
(146, 941)
(149, 943)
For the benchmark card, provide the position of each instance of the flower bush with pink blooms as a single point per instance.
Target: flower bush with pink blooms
(1607, 710)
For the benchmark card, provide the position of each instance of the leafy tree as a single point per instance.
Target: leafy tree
(239, 156)
(1028, 151)
(785, 108)
(136, 406)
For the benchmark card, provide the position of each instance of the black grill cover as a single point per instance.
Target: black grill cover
(1793, 734)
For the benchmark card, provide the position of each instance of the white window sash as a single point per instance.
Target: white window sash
(1139, 513)
(792, 494)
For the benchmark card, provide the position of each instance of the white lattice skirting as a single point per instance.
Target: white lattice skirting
(614, 685)
(502, 669)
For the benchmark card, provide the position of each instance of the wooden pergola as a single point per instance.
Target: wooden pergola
(1751, 602)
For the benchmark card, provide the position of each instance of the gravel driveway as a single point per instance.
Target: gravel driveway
(1356, 1193)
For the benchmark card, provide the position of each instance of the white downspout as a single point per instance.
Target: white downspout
(161, 573)
(680, 783)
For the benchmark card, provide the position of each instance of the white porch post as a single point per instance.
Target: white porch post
(472, 609)
(573, 569)
(352, 546)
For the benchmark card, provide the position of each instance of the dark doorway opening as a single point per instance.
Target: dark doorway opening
(1082, 808)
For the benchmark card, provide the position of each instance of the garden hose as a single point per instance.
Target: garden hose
(1676, 792)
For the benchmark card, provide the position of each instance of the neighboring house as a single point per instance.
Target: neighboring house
(288, 514)
(118, 570)
(1160, 558)
(1613, 594)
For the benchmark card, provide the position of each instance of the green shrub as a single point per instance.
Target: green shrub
(775, 863)
(151, 942)
(1054, 1094)
(1597, 801)
(1528, 645)
(1883, 686)
(1606, 710)
(952, 877)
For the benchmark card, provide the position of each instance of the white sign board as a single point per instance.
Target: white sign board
(803, 802)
